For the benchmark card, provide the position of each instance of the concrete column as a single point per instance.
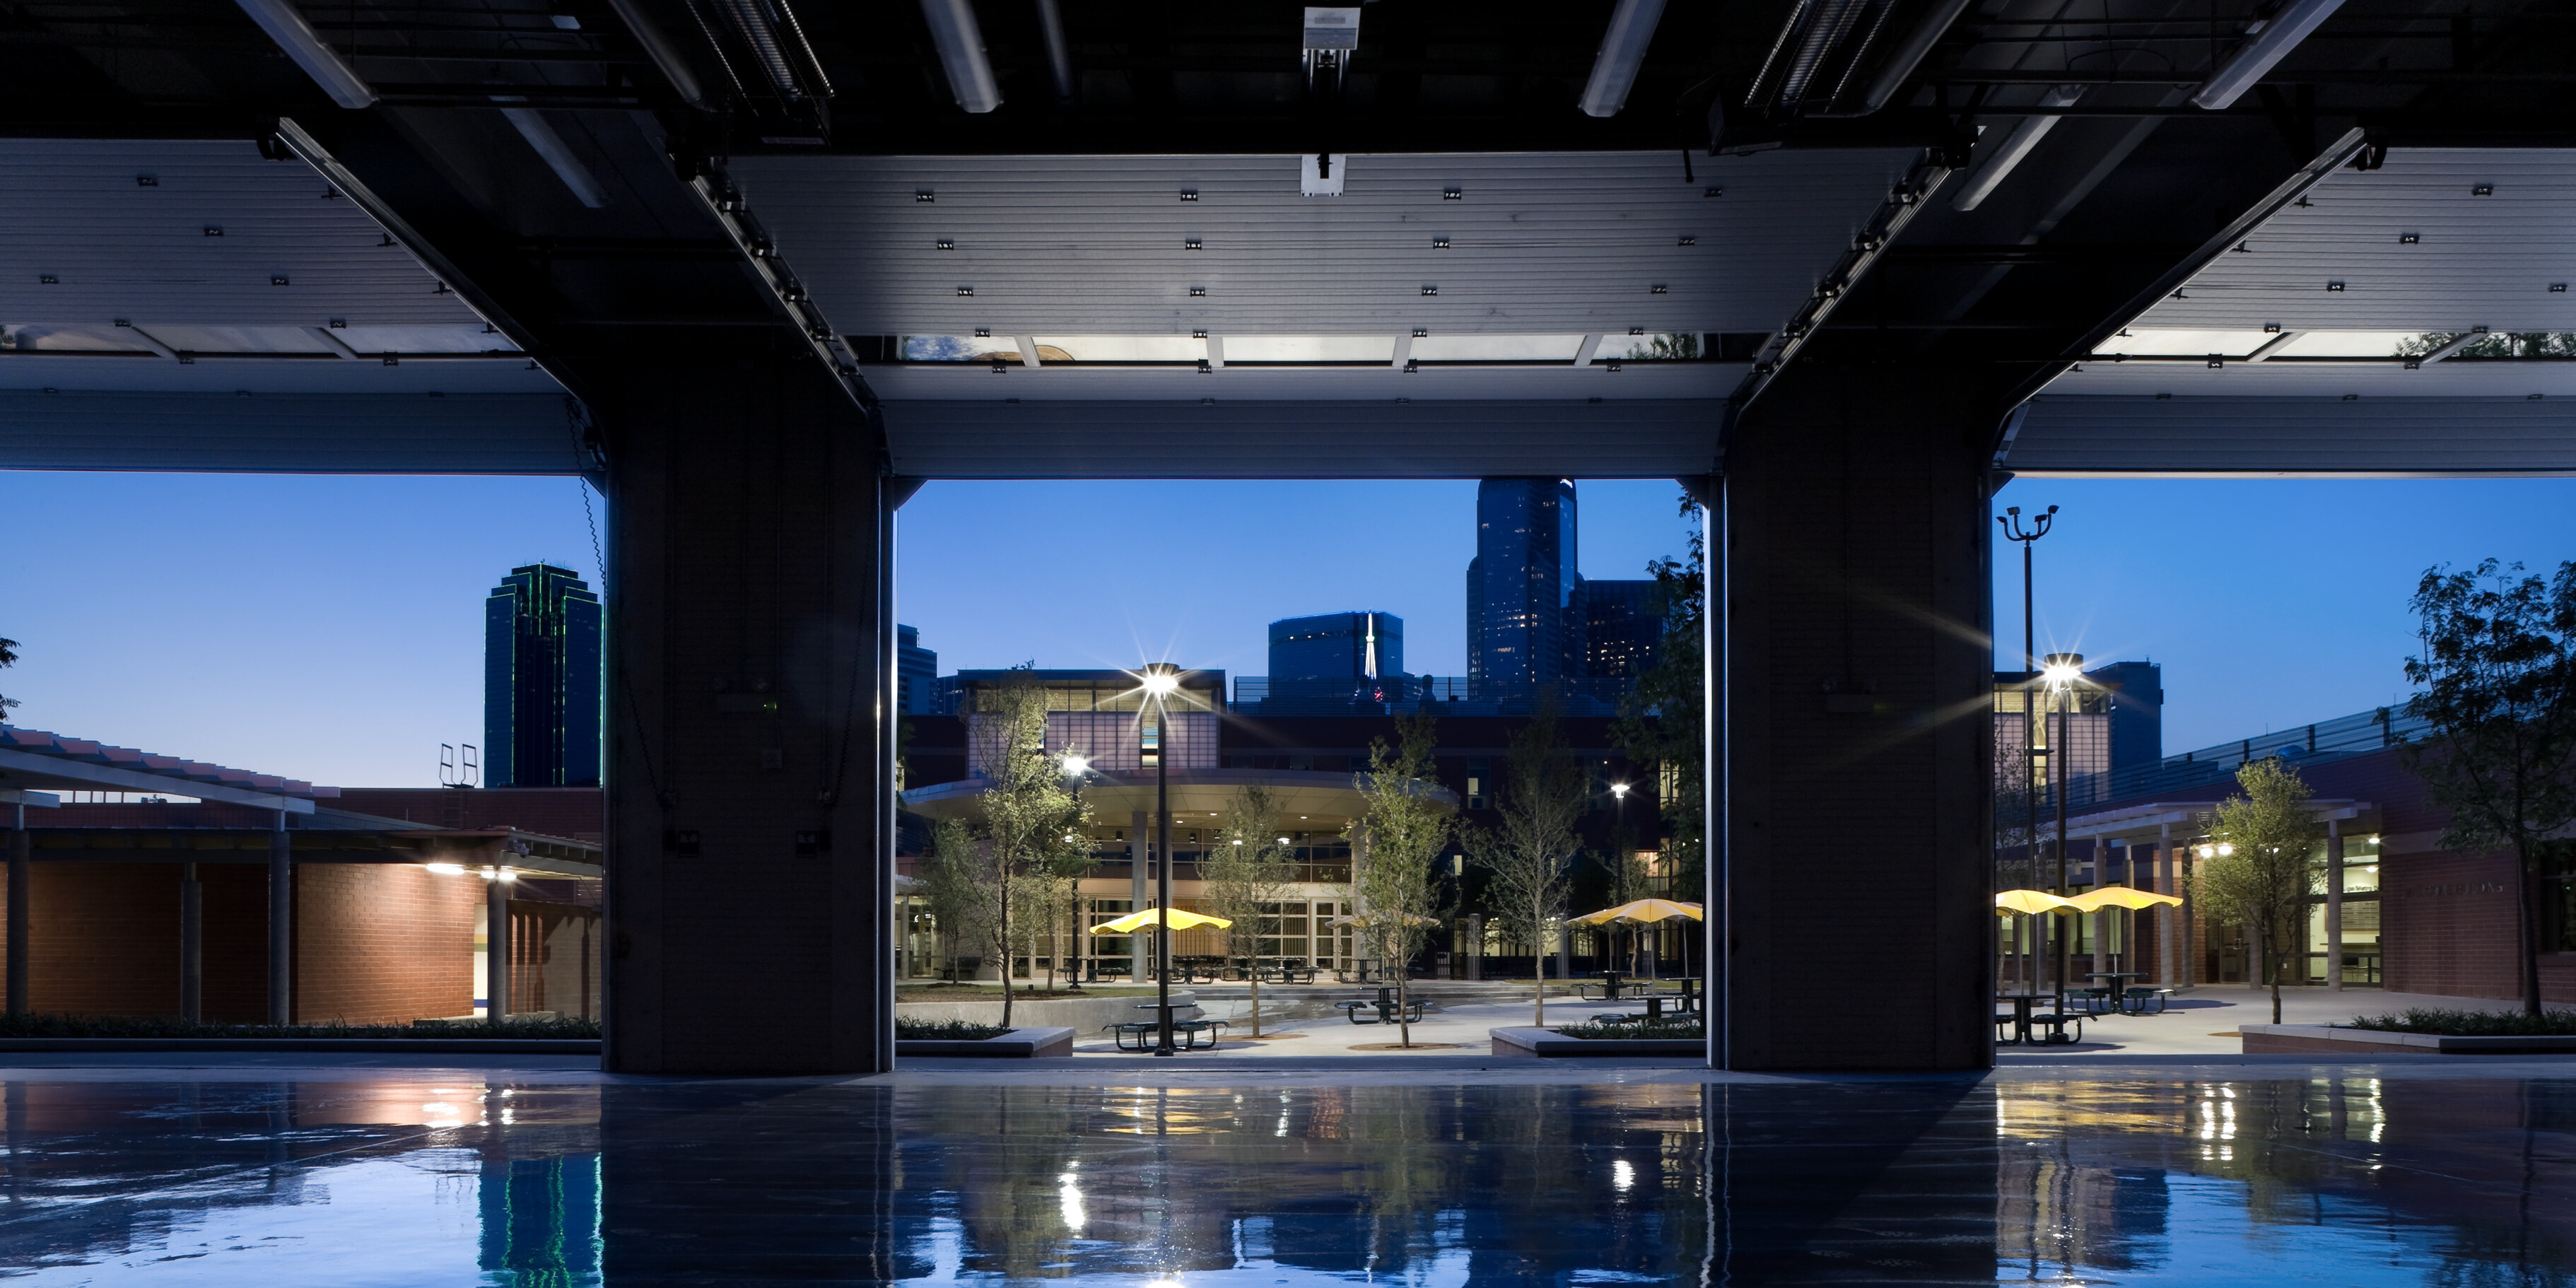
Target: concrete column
(1141, 892)
(751, 721)
(192, 945)
(2334, 904)
(2101, 916)
(281, 924)
(1855, 556)
(19, 846)
(2168, 879)
(496, 948)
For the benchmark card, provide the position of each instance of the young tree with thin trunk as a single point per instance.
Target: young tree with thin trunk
(952, 878)
(1530, 855)
(2263, 869)
(2497, 688)
(1406, 827)
(1252, 871)
(1027, 809)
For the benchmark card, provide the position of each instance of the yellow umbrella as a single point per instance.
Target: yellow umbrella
(1182, 919)
(2012, 901)
(2121, 897)
(1643, 910)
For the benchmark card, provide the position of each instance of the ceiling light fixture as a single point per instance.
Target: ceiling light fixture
(2272, 41)
(285, 24)
(961, 54)
(2016, 146)
(1623, 51)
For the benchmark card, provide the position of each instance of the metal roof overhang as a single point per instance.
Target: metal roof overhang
(29, 769)
(2437, 240)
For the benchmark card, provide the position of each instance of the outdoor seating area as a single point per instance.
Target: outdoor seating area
(1383, 1008)
(1141, 1035)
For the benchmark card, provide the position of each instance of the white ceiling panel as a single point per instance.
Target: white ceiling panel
(1537, 243)
(2340, 258)
(204, 242)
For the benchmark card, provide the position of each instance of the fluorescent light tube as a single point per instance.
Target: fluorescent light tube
(285, 24)
(2264, 52)
(961, 53)
(1623, 51)
(2016, 145)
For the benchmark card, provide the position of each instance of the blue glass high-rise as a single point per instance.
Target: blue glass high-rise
(1525, 613)
(541, 680)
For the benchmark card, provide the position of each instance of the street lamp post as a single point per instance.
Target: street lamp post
(1076, 767)
(1160, 680)
(2062, 671)
(2013, 531)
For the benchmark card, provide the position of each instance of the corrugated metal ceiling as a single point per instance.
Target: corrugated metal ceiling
(1536, 241)
(2478, 260)
(2399, 437)
(79, 211)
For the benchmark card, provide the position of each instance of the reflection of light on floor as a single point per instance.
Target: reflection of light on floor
(1623, 1175)
(1069, 1199)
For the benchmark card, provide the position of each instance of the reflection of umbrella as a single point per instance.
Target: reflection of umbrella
(1182, 919)
(1643, 910)
(2012, 901)
(2121, 897)
(1372, 920)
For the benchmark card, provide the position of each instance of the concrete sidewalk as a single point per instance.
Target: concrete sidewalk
(1290, 1027)
(2204, 1020)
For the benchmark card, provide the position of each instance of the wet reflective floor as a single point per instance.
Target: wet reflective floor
(376, 1176)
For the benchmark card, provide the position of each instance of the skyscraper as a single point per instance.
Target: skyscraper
(1623, 633)
(541, 680)
(916, 673)
(1525, 616)
(1337, 646)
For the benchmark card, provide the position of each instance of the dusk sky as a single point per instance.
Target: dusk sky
(331, 627)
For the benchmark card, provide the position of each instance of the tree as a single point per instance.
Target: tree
(1403, 827)
(1028, 811)
(2496, 688)
(1253, 871)
(951, 880)
(1530, 854)
(8, 657)
(2262, 871)
(1661, 721)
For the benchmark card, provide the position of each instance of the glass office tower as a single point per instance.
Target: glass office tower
(1623, 633)
(1337, 646)
(541, 680)
(1525, 611)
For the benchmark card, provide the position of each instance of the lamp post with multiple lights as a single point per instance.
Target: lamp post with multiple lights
(2030, 731)
(1160, 679)
(1077, 768)
(2061, 672)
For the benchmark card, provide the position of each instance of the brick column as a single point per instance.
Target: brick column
(19, 898)
(192, 945)
(750, 688)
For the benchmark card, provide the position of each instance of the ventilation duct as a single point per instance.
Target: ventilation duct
(2272, 42)
(768, 30)
(2015, 146)
(285, 24)
(1059, 53)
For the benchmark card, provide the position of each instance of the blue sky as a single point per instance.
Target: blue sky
(329, 627)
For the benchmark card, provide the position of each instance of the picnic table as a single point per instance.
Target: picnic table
(2114, 994)
(1385, 1007)
(1611, 982)
(1148, 1033)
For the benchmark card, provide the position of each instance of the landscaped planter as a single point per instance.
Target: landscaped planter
(1084, 1014)
(1018, 1044)
(402, 1046)
(1529, 1041)
(2303, 1039)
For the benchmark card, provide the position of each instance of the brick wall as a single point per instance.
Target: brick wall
(569, 812)
(104, 938)
(383, 943)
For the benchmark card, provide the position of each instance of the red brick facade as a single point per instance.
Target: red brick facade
(383, 943)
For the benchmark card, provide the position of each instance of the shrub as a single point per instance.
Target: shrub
(2471, 1024)
(946, 1031)
(1680, 1026)
(119, 1026)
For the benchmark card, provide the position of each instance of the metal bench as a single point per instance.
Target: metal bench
(2056, 1023)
